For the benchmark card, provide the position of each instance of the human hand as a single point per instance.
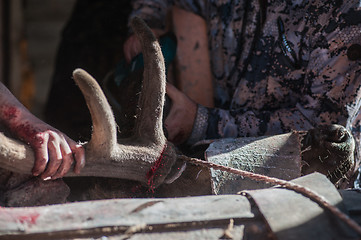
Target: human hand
(54, 152)
(180, 120)
(132, 46)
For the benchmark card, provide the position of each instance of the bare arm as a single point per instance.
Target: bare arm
(54, 151)
(154, 13)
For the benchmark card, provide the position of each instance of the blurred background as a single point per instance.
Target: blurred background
(42, 42)
(30, 33)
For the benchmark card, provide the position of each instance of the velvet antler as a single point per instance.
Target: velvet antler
(146, 156)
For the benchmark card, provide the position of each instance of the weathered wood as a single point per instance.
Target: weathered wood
(275, 156)
(290, 216)
(207, 217)
(120, 215)
(351, 201)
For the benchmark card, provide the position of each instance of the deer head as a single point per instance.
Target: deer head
(146, 156)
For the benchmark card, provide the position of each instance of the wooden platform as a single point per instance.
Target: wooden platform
(273, 213)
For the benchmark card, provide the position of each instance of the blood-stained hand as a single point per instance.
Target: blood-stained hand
(55, 153)
(180, 120)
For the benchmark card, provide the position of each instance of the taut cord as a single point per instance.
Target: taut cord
(283, 183)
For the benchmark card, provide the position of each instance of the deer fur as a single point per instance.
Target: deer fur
(145, 156)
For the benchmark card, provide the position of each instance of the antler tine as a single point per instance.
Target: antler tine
(104, 136)
(148, 125)
(19, 157)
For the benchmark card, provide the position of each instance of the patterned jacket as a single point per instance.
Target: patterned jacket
(290, 65)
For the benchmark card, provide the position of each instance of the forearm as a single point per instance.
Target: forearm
(54, 151)
(12, 112)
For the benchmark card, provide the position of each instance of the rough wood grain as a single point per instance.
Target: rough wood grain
(289, 215)
(120, 215)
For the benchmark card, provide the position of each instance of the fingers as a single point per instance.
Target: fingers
(55, 159)
(41, 155)
(173, 92)
(179, 122)
(173, 127)
(66, 161)
(55, 155)
(79, 154)
(132, 48)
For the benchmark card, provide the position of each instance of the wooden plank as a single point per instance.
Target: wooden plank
(289, 215)
(121, 214)
(292, 216)
(351, 200)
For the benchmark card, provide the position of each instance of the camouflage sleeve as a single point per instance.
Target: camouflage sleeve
(154, 12)
(332, 79)
(332, 99)
(332, 83)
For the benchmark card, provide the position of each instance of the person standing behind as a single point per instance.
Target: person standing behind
(277, 66)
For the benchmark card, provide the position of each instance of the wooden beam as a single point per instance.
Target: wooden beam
(257, 214)
(127, 217)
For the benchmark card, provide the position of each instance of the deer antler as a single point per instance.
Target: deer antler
(144, 157)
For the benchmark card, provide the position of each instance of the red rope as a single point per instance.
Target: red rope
(286, 184)
(152, 172)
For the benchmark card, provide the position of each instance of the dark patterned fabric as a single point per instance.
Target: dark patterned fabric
(277, 66)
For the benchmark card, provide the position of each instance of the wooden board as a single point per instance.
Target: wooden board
(121, 215)
(292, 217)
(273, 213)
